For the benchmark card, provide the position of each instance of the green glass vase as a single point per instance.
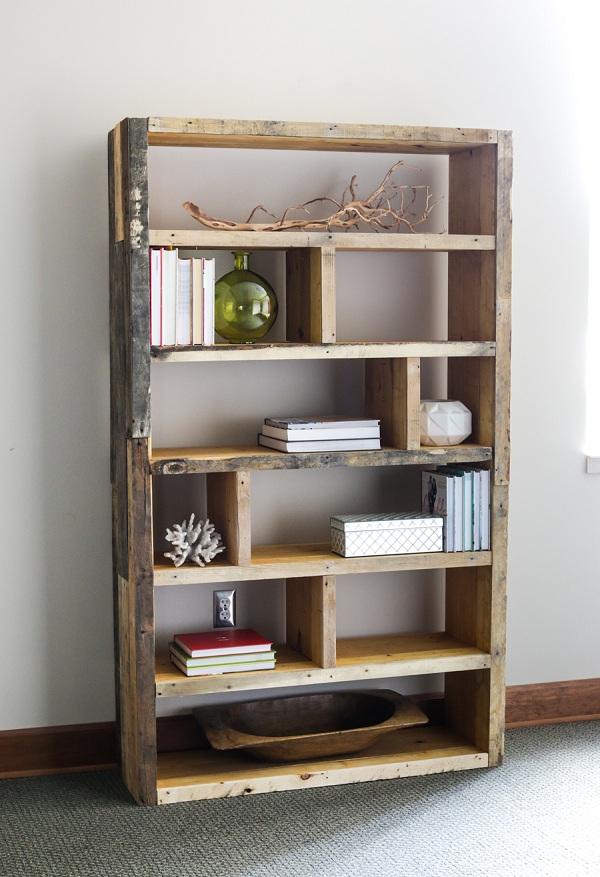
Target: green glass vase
(245, 304)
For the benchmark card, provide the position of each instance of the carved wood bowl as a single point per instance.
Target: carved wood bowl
(308, 725)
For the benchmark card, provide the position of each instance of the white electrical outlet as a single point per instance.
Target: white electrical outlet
(224, 608)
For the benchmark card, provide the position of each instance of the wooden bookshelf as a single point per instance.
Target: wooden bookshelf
(470, 650)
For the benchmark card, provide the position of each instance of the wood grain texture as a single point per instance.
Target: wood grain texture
(58, 749)
(136, 635)
(310, 618)
(130, 471)
(371, 657)
(340, 241)
(137, 243)
(341, 350)
(187, 461)
(259, 134)
(393, 394)
(322, 284)
(306, 726)
(228, 507)
(202, 774)
(479, 307)
(551, 703)
(311, 559)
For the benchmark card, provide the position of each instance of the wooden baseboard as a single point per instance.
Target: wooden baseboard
(550, 703)
(61, 749)
(71, 748)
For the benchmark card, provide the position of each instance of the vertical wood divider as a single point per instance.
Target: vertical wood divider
(228, 507)
(479, 292)
(393, 394)
(311, 618)
(310, 295)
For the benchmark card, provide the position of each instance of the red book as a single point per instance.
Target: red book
(222, 642)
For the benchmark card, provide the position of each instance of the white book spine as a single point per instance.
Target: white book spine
(169, 296)
(183, 318)
(485, 510)
(450, 541)
(459, 513)
(467, 480)
(197, 301)
(208, 286)
(155, 298)
(476, 510)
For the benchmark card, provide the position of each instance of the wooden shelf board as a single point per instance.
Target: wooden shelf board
(199, 774)
(188, 461)
(284, 350)
(207, 239)
(311, 559)
(369, 657)
(322, 136)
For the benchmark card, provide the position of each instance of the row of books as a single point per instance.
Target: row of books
(182, 299)
(211, 652)
(461, 495)
(296, 434)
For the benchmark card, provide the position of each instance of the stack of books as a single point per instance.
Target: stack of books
(293, 434)
(221, 651)
(461, 495)
(182, 299)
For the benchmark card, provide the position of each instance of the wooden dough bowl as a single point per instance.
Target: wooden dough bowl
(308, 725)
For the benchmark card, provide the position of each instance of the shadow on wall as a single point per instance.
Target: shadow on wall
(71, 340)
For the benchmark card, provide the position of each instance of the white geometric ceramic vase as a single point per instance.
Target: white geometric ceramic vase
(444, 422)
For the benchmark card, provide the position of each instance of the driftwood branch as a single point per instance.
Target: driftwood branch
(387, 208)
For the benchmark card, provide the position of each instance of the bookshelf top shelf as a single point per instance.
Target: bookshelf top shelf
(359, 242)
(321, 136)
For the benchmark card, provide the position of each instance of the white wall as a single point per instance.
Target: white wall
(72, 71)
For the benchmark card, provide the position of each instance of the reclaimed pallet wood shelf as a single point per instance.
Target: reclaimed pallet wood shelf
(194, 461)
(373, 657)
(198, 774)
(359, 242)
(269, 562)
(339, 350)
(469, 727)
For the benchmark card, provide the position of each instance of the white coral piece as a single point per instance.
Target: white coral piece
(198, 544)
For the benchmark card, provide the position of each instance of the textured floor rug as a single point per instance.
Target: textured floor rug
(537, 815)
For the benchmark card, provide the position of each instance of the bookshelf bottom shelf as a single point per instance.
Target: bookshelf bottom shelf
(200, 774)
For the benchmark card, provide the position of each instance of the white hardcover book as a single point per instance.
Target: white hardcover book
(155, 298)
(467, 480)
(330, 445)
(459, 542)
(208, 286)
(476, 510)
(197, 301)
(299, 435)
(485, 509)
(183, 312)
(312, 423)
(437, 497)
(169, 296)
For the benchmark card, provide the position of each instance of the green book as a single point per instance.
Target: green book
(220, 660)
